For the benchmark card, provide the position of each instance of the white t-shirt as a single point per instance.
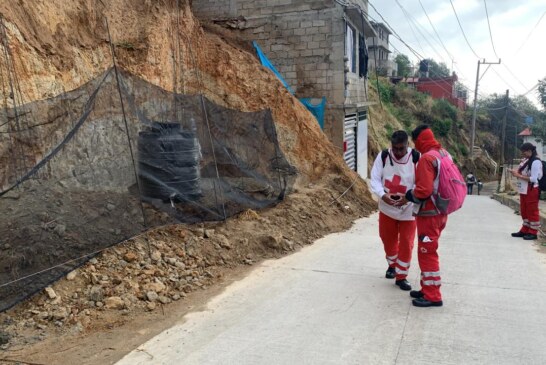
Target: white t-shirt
(534, 173)
(396, 178)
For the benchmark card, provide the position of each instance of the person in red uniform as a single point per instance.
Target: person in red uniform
(430, 222)
(528, 175)
(393, 173)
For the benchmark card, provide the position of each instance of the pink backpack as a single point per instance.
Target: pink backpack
(449, 186)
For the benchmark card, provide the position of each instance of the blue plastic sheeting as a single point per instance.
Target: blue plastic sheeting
(316, 109)
(265, 62)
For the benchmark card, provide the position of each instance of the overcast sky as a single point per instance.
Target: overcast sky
(511, 23)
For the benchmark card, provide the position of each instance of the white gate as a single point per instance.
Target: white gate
(362, 145)
(349, 140)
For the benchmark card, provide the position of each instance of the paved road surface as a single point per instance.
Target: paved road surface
(330, 304)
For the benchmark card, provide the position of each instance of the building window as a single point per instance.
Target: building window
(350, 48)
(362, 56)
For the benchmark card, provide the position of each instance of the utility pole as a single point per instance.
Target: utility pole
(503, 131)
(502, 163)
(473, 137)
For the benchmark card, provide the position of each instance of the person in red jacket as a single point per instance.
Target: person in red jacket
(430, 222)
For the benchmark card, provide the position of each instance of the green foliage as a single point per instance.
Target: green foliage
(419, 98)
(126, 45)
(404, 65)
(389, 131)
(462, 149)
(542, 92)
(443, 109)
(441, 127)
(386, 92)
(437, 70)
(404, 116)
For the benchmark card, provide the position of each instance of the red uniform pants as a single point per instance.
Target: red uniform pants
(429, 230)
(528, 206)
(398, 237)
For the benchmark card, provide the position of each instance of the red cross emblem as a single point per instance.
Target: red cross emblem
(394, 185)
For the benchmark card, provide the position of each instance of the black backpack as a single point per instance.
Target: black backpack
(414, 156)
(542, 181)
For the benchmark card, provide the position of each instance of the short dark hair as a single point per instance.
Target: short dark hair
(417, 131)
(399, 137)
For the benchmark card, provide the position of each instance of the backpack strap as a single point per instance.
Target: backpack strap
(384, 154)
(415, 156)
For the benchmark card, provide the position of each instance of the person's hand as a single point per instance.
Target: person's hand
(401, 200)
(387, 199)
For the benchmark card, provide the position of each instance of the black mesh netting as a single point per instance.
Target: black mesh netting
(69, 187)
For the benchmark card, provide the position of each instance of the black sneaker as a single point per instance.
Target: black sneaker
(403, 284)
(529, 237)
(518, 234)
(391, 273)
(416, 294)
(422, 302)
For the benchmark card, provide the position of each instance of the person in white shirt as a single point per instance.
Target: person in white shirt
(393, 174)
(528, 174)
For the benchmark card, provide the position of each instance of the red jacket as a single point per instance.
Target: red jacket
(425, 174)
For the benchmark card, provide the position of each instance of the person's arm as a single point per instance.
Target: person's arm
(377, 177)
(536, 171)
(424, 180)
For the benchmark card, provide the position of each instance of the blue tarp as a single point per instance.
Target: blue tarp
(316, 109)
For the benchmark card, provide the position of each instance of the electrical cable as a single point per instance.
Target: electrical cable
(462, 30)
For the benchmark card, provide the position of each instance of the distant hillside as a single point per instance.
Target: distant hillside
(404, 108)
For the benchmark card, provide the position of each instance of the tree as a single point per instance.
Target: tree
(437, 70)
(542, 92)
(404, 65)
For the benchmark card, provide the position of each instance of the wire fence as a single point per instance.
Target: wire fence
(103, 163)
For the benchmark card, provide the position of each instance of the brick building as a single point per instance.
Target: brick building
(319, 47)
(379, 52)
(443, 88)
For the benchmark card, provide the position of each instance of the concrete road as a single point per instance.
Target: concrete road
(330, 304)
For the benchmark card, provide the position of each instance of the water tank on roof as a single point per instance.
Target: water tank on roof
(168, 163)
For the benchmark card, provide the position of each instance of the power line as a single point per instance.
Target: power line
(412, 20)
(505, 82)
(489, 26)
(411, 28)
(397, 36)
(462, 30)
(514, 76)
(530, 33)
(435, 32)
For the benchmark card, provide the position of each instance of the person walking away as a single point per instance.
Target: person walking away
(430, 222)
(393, 174)
(480, 186)
(528, 174)
(470, 181)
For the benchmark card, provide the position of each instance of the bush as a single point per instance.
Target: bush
(386, 92)
(389, 131)
(463, 149)
(420, 98)
(443, 109)
(404, 116)
(441, 127)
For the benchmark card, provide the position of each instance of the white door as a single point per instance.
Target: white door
(362, 145)
(349, 140)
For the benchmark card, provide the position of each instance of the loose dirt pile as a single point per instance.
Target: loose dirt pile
(144, 275)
